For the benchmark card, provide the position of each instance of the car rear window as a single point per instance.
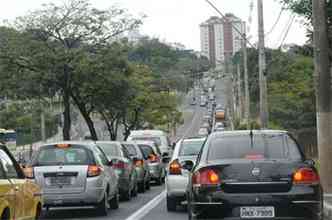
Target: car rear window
(156, 140)
(147, 150)
(74, 155)
(262, 146)
(131, 149)
(110, 149)
(191, 147)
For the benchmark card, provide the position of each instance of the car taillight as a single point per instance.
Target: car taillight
(139, 163)
(120, 165)
(29, 172)
(175, 168)
(94, 170)
(154, 158)
(306, 176)
(205, 177)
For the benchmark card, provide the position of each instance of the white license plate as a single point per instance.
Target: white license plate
(257, 212)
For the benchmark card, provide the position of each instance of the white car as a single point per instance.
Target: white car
(177, 177)
(160, 138)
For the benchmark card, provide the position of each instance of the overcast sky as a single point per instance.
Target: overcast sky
(178, 20)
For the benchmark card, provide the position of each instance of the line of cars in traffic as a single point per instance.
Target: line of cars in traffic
(82, 173)
(251, 174)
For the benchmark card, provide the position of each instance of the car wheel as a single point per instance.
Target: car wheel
(126, 196)
(103, 206)
(5, 215)
(134, 191)
(159, 181)
(38, 213)
(114, 202)
(142, 187)
(148, 185)
(171, 204)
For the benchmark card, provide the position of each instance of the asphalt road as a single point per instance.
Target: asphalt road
(150, 205)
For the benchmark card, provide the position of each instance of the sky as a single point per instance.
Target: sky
(178, 20)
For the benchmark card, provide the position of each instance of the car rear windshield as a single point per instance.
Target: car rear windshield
(147, 150)
(73, 155)
(131, 149)
(191, 147)
(110, 149)
(156, 140)
(261, 146)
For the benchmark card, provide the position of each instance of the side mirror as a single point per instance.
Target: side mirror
(166, 159)
(110, 163)
(188, 165)
(310, 162)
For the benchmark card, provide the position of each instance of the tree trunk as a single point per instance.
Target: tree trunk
(111, 128)
(66, 116)
(86, 115)
(323, 93)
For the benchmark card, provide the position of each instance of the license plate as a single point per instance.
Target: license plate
(62, 181)
(257, 212)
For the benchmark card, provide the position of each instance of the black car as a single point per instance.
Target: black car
(253, 175)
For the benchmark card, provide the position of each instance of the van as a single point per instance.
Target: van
(157, 136)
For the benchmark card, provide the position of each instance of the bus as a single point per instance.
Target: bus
(8, 137)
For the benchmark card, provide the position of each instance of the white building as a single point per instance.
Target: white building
(220, 39)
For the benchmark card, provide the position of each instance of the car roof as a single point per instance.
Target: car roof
(147, 132)
(246, 132)
(88, 144)
(194, 139)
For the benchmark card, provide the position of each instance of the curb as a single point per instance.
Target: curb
(327, 210)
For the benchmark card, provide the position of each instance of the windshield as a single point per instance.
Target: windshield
(156, 140)
(110, 149)
(74, 155)
(191, 147)
(147, 150)
(278, 146)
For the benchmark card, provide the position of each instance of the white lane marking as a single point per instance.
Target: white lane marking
(139, 214)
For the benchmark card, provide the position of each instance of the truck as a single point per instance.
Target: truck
(220, 115)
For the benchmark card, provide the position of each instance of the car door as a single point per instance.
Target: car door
(112, 177)
(7, 195)
(22, 207)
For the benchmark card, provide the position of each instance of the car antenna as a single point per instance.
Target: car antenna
(251, 134)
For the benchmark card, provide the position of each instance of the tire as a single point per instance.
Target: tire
(171, 203)
(134, 191)
(114, 202)
(142, 187)
(38, 213)
(5, 215)
(159, 181)
(148, 185)
(103, 206)
(126, 196)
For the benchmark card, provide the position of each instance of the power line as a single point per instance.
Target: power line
(287, 31)
(275, 23)
(243, 36)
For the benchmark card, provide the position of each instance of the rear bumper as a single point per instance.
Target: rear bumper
(89, 197)
(302, 203)
(176, 185)
(155, 171)
(140, 174)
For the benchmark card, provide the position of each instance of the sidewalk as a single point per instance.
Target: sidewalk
(328, 206)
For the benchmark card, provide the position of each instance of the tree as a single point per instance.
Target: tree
(58, 37)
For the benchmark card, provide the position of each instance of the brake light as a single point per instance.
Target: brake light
(94, 170)
(120, 165)
(306, 176)
(175, 168)
(29, 172)
(205, 177)
(154, 158)
(139, 163)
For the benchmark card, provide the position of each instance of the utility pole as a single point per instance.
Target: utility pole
(246, 82)
(239, 91)
(263, 106)
(323, 92)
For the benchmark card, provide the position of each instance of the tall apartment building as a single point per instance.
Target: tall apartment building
(219, 39)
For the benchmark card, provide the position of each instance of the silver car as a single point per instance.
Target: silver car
(141, 165)
(177, 177)
(76, 174)
(156, 166)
